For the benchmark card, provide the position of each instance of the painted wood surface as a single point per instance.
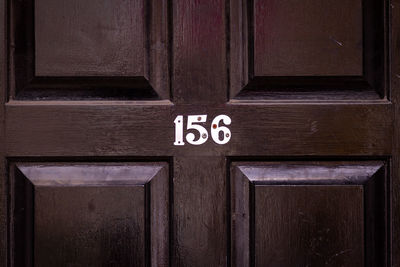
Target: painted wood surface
(99, 84)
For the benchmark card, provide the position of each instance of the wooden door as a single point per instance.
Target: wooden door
(113, 151)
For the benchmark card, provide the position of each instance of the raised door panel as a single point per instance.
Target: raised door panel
(307, 38)
(75, 38)
(90, 214)
(308, 214)
(308, 225)
(310, 49)
(89, 49)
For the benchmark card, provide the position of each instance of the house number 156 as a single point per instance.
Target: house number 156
(219, 133)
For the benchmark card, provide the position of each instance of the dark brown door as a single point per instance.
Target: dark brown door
(199, 133)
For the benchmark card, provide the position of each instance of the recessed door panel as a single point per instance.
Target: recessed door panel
(307, 49)
(90, 214)
(103, 50)
(308, 214)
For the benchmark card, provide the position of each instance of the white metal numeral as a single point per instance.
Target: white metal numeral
(179, 131)
(219, 133)
(216, 129)
(203, 135)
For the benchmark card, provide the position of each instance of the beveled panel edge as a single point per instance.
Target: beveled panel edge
(375, 184)
(371, 85)
(88, 174)
(309, 173)
(154, 178)
(149, 87)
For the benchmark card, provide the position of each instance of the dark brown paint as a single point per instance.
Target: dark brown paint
(98, 84)
(90, 215)
(308, 213)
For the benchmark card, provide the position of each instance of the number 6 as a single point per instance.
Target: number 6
(216, 129)
(193, 122)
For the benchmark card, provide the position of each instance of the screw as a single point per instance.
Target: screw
(199, 118)
(227, 135)
(214, 126)
(204, 136)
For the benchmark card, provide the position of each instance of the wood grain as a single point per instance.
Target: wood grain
(147, 130)
(92, 43)
(199, 34)
(89, 214)
(3, 163)
(203, 57)
(308, 38)
(307, 225)
(394, 75)
(101, 38)
(290, 49)
(200, 226)
(308, 213)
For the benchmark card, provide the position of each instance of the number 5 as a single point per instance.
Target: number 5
(217, 131)
(203, 135)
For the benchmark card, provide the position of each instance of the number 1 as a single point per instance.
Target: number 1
(194, 124)
(179, 131)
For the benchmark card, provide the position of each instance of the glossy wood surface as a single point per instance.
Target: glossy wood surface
(90, 215)
(4, 245)
(307, 38)
(135, 128)
(99, 84)
(88, 47)
(120, 51)
(199, 37)
(307, 50)
(395, 97)
(308, 213)
(314, 228)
